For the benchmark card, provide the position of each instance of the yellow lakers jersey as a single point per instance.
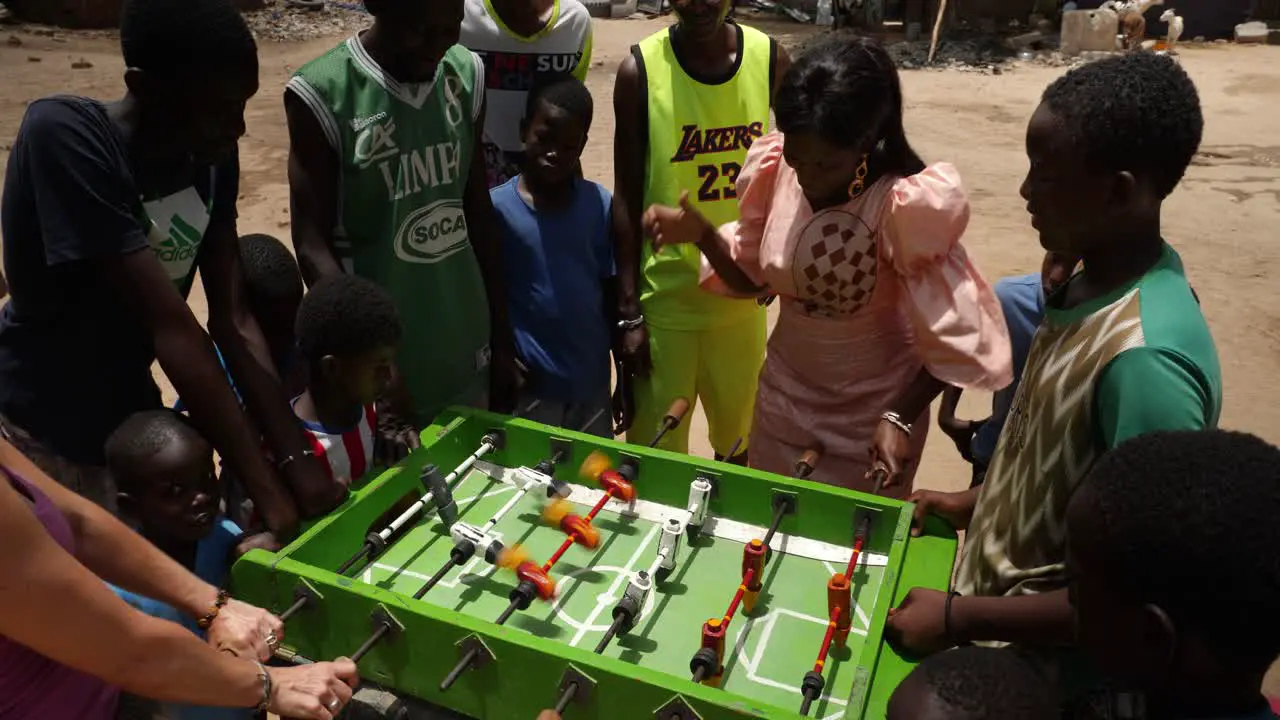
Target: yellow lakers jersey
(699, 130)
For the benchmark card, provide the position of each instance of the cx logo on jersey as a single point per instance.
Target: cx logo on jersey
(376, 141)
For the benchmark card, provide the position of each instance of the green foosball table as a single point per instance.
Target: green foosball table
(507, 567)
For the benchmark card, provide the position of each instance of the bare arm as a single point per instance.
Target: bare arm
(58, 608)
(187, 357)
(313, 192)
(630, 147)
(114, 552)
(1042, 618)
(248, 357)
(779, 69)
(486, 242)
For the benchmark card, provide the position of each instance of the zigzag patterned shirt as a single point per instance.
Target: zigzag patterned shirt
(1137, 360)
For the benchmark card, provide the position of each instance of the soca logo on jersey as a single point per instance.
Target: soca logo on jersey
(432, 233)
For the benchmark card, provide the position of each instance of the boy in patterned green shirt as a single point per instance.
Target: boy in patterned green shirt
(387, 181)
(1124, 350)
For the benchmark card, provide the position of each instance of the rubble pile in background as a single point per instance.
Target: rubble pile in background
(284, 21)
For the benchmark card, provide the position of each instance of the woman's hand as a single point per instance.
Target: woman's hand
(675, 226)
(312, 692)
(245, 631)
(890, 449)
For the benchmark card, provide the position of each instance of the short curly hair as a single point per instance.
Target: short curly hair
(1137, 112)
(564, 91)
(345, 316)
(143, 434)
(1191, 521)
(270, 271)
(176, 36)
(983, 683)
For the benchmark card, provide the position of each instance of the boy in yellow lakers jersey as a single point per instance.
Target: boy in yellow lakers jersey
(688, 103)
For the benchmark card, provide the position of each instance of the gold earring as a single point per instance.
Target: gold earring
(859, 179)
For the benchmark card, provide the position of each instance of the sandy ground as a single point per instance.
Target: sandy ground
(1220, 219)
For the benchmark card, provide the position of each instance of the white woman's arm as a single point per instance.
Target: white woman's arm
(117, 554)
(52, 604)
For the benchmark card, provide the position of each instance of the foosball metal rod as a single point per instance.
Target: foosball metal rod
(813, 683)
(675, 414)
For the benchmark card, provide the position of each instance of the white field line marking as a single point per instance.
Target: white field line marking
(715, 526)
(608, 597)
(752, 663)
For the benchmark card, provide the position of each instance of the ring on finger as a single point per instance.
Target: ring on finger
(272, 640)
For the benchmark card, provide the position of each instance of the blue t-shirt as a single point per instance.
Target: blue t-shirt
(67, 337)
(556, 264)
(1022, 300)
(212, 563)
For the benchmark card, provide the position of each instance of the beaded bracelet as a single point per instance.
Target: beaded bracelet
(204, 622)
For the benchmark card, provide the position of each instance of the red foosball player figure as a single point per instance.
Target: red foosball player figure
(753, 558)
(529, 573)
(599, 469)
(558, 514)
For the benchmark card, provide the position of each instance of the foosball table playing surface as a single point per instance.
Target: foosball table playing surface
(540, 568)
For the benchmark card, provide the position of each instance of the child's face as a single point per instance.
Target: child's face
(176, 495)
(417, 34)
(553, 143)
(363, 378)
(1130, 639)
(1072, 206)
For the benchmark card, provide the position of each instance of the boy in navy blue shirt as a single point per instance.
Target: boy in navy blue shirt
(558, 245)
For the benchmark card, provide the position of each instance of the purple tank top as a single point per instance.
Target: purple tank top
(31, 685)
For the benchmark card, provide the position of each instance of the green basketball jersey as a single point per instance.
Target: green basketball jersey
(406, 153)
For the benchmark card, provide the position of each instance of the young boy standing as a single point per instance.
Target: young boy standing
(387, 181)
(109, 210)
(169, 492)
(348, 331)
(1171, 555)
(520, 42)
(558, 244)
(688, 102)
(1124, 350)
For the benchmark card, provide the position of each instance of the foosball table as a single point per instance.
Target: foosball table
(507, 567)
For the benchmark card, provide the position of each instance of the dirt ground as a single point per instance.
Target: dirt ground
(1220, 219)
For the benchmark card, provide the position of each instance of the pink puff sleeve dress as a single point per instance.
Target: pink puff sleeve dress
(870, 292)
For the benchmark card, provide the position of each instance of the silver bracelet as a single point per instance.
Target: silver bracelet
(632, 323)
(266, 686)
(896, 420)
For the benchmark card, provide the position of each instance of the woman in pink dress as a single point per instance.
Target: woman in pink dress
(859, 240)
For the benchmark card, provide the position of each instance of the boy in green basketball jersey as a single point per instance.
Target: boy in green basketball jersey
(387, 181)
(688, 102)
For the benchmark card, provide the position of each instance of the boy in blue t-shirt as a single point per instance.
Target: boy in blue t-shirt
(169, 491)
(558, 247)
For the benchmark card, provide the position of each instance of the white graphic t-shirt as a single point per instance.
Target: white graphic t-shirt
(512, 62)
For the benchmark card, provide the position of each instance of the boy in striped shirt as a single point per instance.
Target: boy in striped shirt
(347, 332)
